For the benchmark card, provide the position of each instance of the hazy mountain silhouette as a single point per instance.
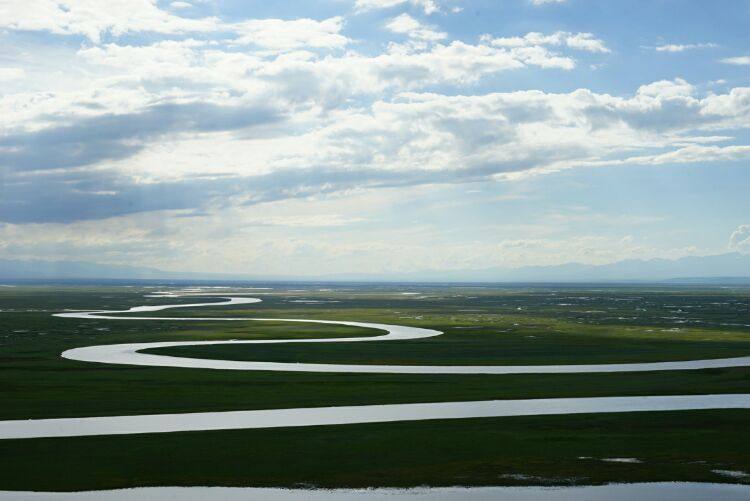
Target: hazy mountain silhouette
(721, 267)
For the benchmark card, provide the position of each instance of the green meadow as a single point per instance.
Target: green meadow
(482, 325)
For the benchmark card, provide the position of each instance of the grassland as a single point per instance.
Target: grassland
(482, 326)
(554, 450)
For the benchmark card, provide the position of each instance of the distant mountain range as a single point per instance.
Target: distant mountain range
(720, 268)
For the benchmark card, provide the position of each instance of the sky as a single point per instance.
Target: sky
(372, 136)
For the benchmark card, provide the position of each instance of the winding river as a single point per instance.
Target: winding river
(131, 354)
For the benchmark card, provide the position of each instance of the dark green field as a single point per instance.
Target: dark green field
(506, 451)
(483, 326)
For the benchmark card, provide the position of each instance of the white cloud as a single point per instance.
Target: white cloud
(427, 6)
(92, 18)
(165, 124)
(407, 25)
(160, 56)
(737, 61)
(378, 4)
(740, 238)
(693, 154)
(117, 78)
(666, 88)
(301, 74)
(683, 47)
(340, 119)
(496, 134)
(8, 74)
(403, 24)
(733, 106)
(431, 137)
(585, 41)
(577, 41)
(304, 221)
(545, 2)
(279, 34)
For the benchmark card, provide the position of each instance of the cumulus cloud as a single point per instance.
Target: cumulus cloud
(91, 18)
(737, 61)
(578, 41)
(683, 47)
(154, 133)
(407, 25)
(271, 109)
(427, 6)
(740, 238)
(667, 89)
(281, 34)
(303, 75)
(192, 156)
(694, 153)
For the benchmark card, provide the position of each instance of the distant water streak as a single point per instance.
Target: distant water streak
(661, 491)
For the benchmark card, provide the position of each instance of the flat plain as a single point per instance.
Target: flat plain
(482, 325)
